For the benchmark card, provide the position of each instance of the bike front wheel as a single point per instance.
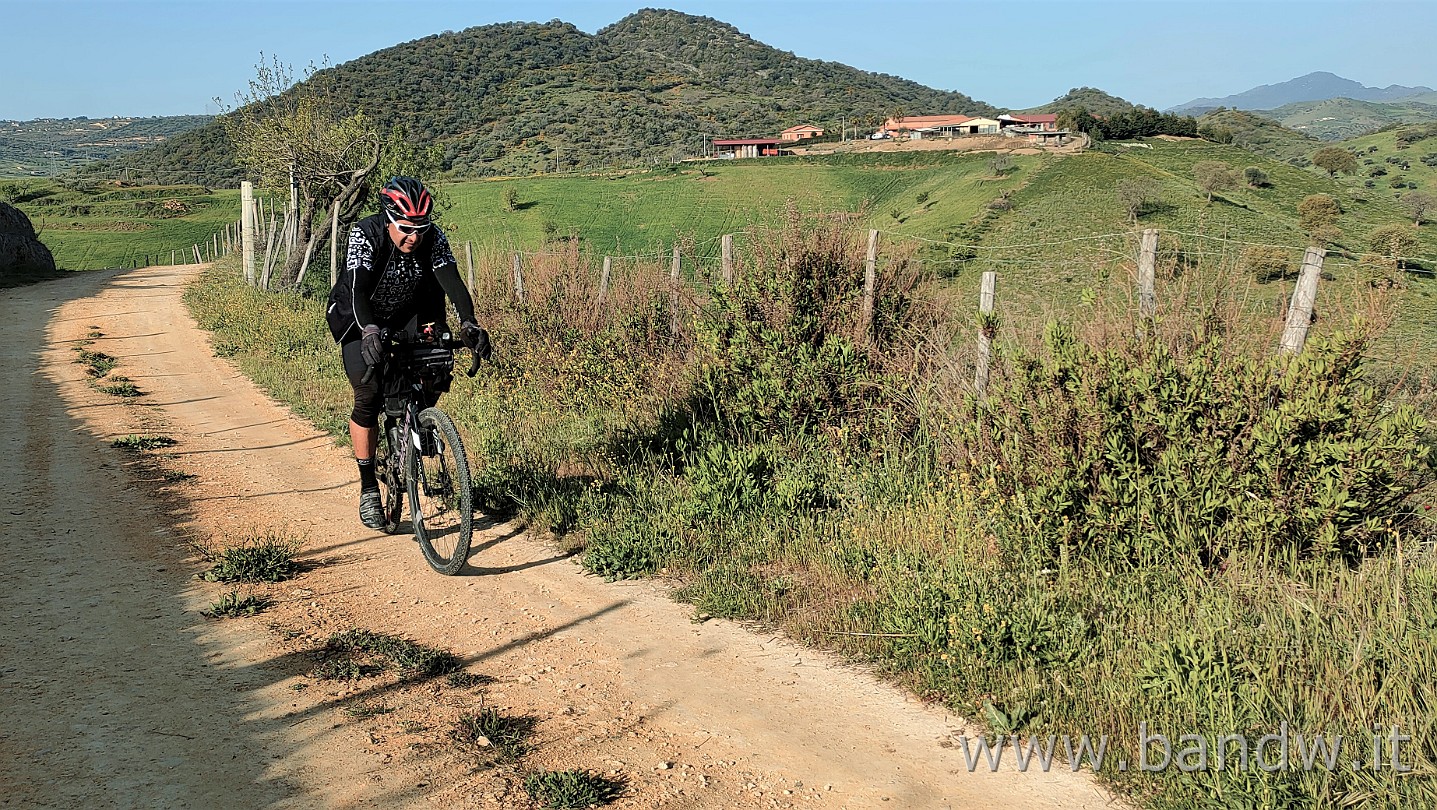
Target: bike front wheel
(441, 500)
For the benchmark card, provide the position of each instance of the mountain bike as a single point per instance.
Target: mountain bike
(421, 453)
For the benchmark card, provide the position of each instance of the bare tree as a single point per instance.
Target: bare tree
(1213, 176)
(1138, 196)
(1419, 204)
(293, 136)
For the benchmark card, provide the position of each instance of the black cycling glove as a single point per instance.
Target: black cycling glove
(372, 346)
(476, 339)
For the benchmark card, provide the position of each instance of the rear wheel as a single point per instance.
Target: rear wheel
(441, 501)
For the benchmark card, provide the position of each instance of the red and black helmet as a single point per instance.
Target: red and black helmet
(406, 198)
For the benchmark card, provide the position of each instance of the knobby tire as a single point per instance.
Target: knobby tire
(441, 499)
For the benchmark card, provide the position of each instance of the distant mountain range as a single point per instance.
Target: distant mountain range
(1318, 86)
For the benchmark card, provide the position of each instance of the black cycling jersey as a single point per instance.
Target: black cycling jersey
(382, 286)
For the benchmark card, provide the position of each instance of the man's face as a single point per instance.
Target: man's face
(407, 235)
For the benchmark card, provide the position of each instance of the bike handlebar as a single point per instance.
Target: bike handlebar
(405, 339)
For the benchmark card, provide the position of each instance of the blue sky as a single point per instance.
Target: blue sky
(98, 58)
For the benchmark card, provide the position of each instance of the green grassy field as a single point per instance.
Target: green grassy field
(644, 213)
(99, 226)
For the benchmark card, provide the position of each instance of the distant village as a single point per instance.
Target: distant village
(1036, 128)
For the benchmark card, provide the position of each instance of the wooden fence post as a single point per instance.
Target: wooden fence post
(304, 265)
(518, 279)
(469, 262)
(268, 257)
(247, 225)
(870, 283)
(674, 293)
(726, 245)
(604, 279)
(986, 331)
(1147, 269)
(1299, 311)
(334, 245)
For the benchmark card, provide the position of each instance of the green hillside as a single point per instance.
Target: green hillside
(1398, 160)
(644, 212)
(1337, 119)
(521, 98)
(1067, 232)
(1259, 134)
(91, 226)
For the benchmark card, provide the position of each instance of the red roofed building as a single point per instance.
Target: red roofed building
(801, 132)
(913, 123)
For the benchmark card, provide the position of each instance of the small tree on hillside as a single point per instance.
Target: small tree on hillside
(293, 137)
(1138, 196)
(1267, 262)
(1419, 204)
(1213, 176)
(1393, 242)
(1318, 211)
(1255, 177)
(1334, 159)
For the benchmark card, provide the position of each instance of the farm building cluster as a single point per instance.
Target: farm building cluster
(1036, 128)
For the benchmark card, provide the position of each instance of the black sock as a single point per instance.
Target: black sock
(366, 473)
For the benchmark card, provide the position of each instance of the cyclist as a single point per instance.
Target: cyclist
(397, 273)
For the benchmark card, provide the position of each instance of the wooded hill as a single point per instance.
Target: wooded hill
(515, 98)
(50, 146)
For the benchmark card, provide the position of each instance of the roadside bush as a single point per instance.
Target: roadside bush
(1191, 449)
(786, 351)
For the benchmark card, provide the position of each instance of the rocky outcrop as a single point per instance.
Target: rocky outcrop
(22, 254)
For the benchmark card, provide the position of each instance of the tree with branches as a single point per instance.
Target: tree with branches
(1334, 159)
(1138, 196)
(292, 135)
(1213, 176)
(1419, 204)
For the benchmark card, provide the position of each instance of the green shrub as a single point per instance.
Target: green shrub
(1150, 452)
(1268, 263)
(785, 350)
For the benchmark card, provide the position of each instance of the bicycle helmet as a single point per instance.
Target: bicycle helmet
(406, 198)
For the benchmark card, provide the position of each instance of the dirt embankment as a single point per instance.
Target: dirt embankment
(118, 692)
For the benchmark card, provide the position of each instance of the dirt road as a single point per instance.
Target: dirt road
(115, 691)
